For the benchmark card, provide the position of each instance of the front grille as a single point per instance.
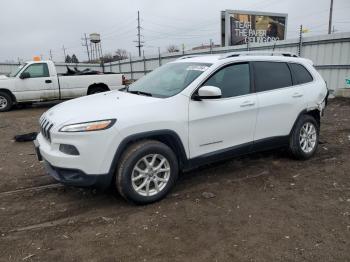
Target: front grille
(45, 128)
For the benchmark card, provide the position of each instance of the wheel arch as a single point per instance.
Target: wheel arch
(168, 137)
(315, 113)
(97, 85)
(14, 100)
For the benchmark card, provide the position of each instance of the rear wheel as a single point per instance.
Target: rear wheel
(147, 172)
(5, 102)
(304, 138)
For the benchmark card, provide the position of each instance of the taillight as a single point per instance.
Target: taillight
(123, 80)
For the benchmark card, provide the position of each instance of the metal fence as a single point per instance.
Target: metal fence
(330, 54)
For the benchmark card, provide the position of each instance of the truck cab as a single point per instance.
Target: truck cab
(37, 81)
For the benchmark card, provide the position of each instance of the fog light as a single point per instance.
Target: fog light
(69, 150)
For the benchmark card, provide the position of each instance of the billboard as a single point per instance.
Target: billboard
(241, 27)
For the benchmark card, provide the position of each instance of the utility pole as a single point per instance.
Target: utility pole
(64, 53)
(330, 18)
(159, 57)
(138, 41)
(50, 54)
(85, 43)
(211, 45)
(300, 40)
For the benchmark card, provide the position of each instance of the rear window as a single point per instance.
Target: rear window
(300, 74)
(271, 75)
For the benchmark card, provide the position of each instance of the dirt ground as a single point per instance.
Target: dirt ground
(265, 207)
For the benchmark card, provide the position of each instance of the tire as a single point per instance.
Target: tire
(97, 90)
(5, 102)
(133, 161)
(304, 137)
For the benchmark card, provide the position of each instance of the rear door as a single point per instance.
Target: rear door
(279, 101)
(217, 125)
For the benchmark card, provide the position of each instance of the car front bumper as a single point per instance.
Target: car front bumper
(75, 177)
(72, 176)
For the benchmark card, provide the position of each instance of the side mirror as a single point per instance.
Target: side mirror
(207, 92)
(24, 75)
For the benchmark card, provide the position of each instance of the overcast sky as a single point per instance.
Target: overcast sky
(33, 27)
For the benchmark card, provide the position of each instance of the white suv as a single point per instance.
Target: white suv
(187, 113)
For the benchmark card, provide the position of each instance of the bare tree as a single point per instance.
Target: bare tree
(107, 58)
(75, 59)
(68, 59)
(173, 49)
(120, 54)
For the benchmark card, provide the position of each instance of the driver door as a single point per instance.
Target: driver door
(227, 123)
(38, 86)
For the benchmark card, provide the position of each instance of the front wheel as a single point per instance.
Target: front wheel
(147, 172)
(5, 102)
(304, 137)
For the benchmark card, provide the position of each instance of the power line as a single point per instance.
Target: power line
(167, 26)
(126, 31)
(117, 26)
(120, 28)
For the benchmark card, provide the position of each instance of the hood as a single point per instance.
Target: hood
(6, 82)
(106, 105)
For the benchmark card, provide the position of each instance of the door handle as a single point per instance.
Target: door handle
(48, 81)
(296, 95)
(247, 103)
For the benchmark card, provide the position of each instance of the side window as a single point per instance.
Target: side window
(271, 75)
(37, 70)
(300, 74)
(233, 80)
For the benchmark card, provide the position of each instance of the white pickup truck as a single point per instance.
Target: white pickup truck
(37, 81)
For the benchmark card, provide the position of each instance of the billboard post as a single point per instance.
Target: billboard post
(245, 27)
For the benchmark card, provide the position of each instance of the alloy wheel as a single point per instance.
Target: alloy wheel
(150, 175)
(308, 137)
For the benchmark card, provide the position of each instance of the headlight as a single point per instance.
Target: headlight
(88, 126)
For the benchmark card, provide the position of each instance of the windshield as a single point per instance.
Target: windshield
(168, 80)
(14, 73)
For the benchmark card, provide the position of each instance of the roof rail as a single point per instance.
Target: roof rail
(187, 56)
(267, 53)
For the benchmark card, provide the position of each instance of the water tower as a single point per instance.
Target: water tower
(95, 46)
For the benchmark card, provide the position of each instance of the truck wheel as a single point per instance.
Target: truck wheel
(97, 90)
(148, 170)
(304, 138)
(5, 102)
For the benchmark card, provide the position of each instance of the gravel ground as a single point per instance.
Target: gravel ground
(263, 207)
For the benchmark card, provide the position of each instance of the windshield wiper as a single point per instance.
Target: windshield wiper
(140, 93)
